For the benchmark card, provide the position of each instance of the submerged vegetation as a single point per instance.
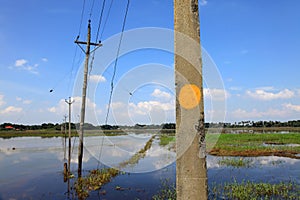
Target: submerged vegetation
(236, 162)
(97, 178)
(166, 139)
(244, 190)
(167, 191)
(252, 144)
(252, 190)
(94, 181)
(137, 156)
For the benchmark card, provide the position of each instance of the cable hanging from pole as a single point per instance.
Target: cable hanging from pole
(97, 36)
(92, 8)
(113, 76)
(81, 18)
(116, 62)
(108, 13)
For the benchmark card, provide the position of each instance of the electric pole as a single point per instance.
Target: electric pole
(191, 172)
(69, 156)
(65, 137)
(87, 52)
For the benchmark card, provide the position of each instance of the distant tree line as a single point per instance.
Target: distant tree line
(88, 126)
(253, 124)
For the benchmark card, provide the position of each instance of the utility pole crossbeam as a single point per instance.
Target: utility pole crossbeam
(88, 44)
(191, 172)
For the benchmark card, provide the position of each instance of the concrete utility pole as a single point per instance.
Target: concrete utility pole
(65, 137)
(69, 153)
(191, 172)
(88, 44)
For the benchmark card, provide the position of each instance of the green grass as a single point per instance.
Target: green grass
(252, 190)
(94, 181)
(55, 133)
(166, 139)
(251, 144)
(97, 178)
(34, 133)
(244, 190)
(236, 162)
(244, 144)
(138, 155)
(167, 191)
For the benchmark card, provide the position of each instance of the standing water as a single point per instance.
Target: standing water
(32, 167)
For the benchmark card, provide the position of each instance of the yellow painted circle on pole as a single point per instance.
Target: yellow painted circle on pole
(189, 96)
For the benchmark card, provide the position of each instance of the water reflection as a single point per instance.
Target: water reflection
(35, 168)
(112, 151)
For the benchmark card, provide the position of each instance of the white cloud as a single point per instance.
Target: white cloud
(161, 94)
(147, 112)
(23, 64)
(203, 2)
(216, 94)
(2, 102)
(27, 102)
(147, 106)
(266, 96)
(52, 109)
(244, 51)
(235, 88)
(241, 114)
(11, 109)
(267, 88)
(23, 101)
(292, 107)
(117, 105)
(44, 59)
(63, 108)
(20, 62)
(151, 112)
(298, 92)
(97, 78)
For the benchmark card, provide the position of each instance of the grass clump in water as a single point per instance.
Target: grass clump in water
(236, 162)
(139, 155)
(166, 139)
(251, 190)
(94, 181)
(168, 191)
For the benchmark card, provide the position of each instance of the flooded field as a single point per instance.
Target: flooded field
(32, 168)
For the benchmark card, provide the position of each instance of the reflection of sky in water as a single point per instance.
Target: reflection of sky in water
(118, 149)
(35, 166)
(270, 169)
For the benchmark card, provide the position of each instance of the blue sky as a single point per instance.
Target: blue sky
(254, 45)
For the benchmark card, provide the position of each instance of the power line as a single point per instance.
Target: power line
(92, 8)
(99, 25)
(116, 62)
(108, 13)
(113, 77)
(82, 12)
(100, 19)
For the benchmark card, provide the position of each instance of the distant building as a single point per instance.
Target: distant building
(9, 127)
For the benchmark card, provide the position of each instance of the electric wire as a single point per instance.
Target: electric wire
(81, 18)
(107, 17)
(92, 8)
(97, 35)
(72, 68)
(113, 77)
(116, 62)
